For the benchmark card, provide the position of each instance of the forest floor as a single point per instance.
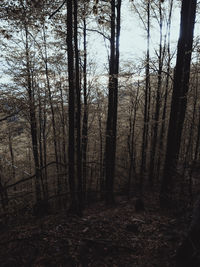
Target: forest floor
(116, 236)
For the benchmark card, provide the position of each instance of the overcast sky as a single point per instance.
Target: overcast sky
(133, 39)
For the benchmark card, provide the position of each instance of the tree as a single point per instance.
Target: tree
(85, 110)
(71, 106)
(131, 136)
(78, 110)
(179, 97)
(156, 115)
(111, 128)
(166, 93)
(147, 101)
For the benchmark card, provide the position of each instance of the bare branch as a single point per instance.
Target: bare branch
(97, 31)
(57, 10)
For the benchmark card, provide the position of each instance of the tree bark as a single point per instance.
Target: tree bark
(85, 111)
(52, 111)
(146, 105)
(33, 122)
(78, 111)
(153, 156)
(179, 97)
(164, 113)
(111, 126)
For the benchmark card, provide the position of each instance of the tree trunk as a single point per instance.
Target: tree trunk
(40, 140)
(85, 113)
(71, 108)
(146, 105)
(45, 145)
(111, 126)
(163, 124)
(52, 112)
(153, 156)
(78, 111)
(11, 154)
(196, 155)
(63, 125)
(131, 140)
(33, 122)
(179, 97)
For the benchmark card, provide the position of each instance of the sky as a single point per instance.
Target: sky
(132, 38)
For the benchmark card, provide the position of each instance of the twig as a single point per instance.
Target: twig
(97, 31)
(57, 9)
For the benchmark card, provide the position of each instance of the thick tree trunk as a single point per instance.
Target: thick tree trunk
(71, 108)
(179, 97)
(111, 126)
